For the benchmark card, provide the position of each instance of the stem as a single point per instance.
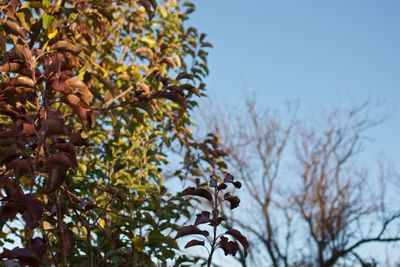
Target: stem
(64, 262)
(215, 224)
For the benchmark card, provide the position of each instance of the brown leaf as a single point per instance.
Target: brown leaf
(115, 191)
(191, 230)
(203, 217)
(148, 7)
(22, 81)
(12, 27)
(194, 242)
(76, 86)
(77, 139)
(19, 54)
(201, 192)
(229, 247)
(39, 247)
(184, 75)
(33, 210)
(233, 200)
(22, 167)
(239, 237)
(23, 254)
(57, 175)
(174, 96)
(53, 125)
(66, 47)
(230, 179)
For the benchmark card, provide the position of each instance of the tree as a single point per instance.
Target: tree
(92, 96)
(312, 205)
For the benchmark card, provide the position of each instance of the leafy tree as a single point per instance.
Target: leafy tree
(93, 94)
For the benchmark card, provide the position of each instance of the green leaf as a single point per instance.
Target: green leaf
(46, 21)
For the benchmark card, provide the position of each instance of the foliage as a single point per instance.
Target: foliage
(92, 96)
(215, 199)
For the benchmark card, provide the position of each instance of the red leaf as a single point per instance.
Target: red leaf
(194, 242)
(12, 27)
(34, 210)
(230, 179)
(233, 200)
(201, 192)
(22, 254)
(191, 230)
(174, 96)
(203, 217)
(39, 247)
(229, 247)
(239, 237)
(213, 182)
(66, 47)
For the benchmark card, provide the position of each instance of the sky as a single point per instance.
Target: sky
(324, 54)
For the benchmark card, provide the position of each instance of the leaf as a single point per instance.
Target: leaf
(213, 182)
(53, 125)
(34, 210)
(145, 51)
(230, 179)
(184, 75)
(66, 47)
(39, 247)
(174, 96)
(191, 230)
(52, 33)
(76, 86)
(12, 27)
(46, 21)
(233, 200)
(229, 247)
(222, 186)
(194, 242)
(22, 254)
(239, 237)
(148, 7)
(201, 192)
(203, 217)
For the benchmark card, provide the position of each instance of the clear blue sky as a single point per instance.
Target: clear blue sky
(323, 53)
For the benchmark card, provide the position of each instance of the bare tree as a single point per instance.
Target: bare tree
(308, 203)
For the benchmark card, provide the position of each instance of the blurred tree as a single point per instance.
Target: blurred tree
(311, 205)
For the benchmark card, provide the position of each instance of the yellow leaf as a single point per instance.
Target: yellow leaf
(21, 18)
(102, 223)
(51, 34)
